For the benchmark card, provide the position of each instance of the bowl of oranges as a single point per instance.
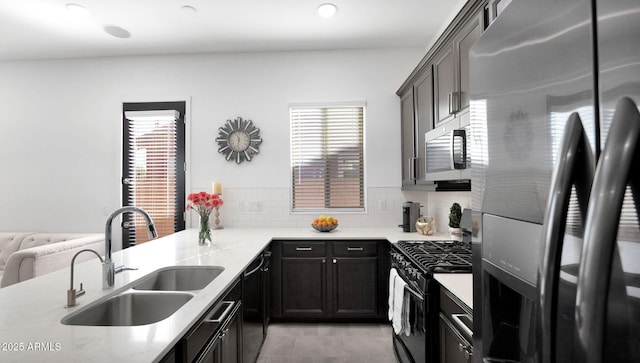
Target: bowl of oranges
(324, 223)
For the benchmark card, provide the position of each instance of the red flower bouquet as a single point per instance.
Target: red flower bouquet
(204, 203)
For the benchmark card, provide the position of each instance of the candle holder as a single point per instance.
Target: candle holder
(217, 219)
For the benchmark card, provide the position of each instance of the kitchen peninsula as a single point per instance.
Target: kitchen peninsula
(30, 327)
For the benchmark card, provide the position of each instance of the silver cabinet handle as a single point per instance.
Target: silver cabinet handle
(247, 274)
(574, 157)
(224, 333)
(355, 248)
(412, 168)
(324, 260)
(601, 228)
(463, 348)
(449, 103)
(304, 248)
(455, 102)
(227, 310)
(460, 325)
(335, 261)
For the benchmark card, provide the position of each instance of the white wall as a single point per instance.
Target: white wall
(60, 138)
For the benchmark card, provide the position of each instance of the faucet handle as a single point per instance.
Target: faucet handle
(72, 294)
(124, 268)
(81, 291)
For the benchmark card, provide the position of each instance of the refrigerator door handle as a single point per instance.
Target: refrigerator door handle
(575, 166)
(621, 153)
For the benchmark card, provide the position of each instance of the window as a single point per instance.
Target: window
(327, 158)
(153, 168)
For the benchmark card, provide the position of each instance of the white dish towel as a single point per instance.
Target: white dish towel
(392, 283)
(400, 304)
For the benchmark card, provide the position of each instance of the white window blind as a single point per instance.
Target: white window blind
(327, 158)
(151, 178)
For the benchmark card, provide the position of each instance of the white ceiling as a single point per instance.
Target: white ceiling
(36, 29)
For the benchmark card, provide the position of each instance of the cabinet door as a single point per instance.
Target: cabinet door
(211, 353)
(423, 91)
(169, 357)
(467, 36)
(230, 340)
(453, 347)
(355, 286)
(304, 287)
(408, 138)
(444, 80)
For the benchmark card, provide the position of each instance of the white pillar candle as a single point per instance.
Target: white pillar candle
(217, 188)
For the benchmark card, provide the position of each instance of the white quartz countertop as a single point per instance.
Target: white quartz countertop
(460, 285)
(30, 311)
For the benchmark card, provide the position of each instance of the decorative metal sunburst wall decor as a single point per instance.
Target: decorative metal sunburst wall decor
(238, 140)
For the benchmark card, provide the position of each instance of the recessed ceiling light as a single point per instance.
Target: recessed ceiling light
(117, 31)
(327, 10)
(188, 9)
(77, 9)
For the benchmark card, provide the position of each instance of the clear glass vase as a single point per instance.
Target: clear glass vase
(204, 236)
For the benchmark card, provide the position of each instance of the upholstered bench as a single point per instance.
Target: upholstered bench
(24, 255)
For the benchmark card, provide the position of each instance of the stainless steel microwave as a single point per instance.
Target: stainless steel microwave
(446, 151)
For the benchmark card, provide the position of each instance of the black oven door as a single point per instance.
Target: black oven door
(413, 347)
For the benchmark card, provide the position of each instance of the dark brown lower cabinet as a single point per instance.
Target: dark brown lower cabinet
(304, 283)
(455, 330)
(217, 337)
(329, 280)
(355, 285)
(224, 347)
(454, 348)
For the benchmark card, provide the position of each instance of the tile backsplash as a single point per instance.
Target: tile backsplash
(271, 207)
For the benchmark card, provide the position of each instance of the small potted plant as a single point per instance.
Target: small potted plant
(455, 213)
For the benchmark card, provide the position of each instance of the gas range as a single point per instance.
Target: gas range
(415, 263)
(418, 260)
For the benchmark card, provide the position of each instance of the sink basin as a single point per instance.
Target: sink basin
(130, 309)
(179, 278)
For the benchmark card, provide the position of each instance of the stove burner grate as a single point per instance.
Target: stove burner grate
(438, 256)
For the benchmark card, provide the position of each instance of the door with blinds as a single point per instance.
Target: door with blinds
(153, 168)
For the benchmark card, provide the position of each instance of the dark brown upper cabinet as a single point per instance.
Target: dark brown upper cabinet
(437, 91)
(416, 119)
(451, 72)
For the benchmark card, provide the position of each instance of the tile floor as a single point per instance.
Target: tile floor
(327, 343)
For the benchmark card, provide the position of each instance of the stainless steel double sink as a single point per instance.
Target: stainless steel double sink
(150, 299)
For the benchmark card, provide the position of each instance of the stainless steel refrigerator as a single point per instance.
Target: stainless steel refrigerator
(555, 89)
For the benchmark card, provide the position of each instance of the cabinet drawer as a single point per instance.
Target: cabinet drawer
(449, 306)
(355, 249)
(304, 249)
(195, 342)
